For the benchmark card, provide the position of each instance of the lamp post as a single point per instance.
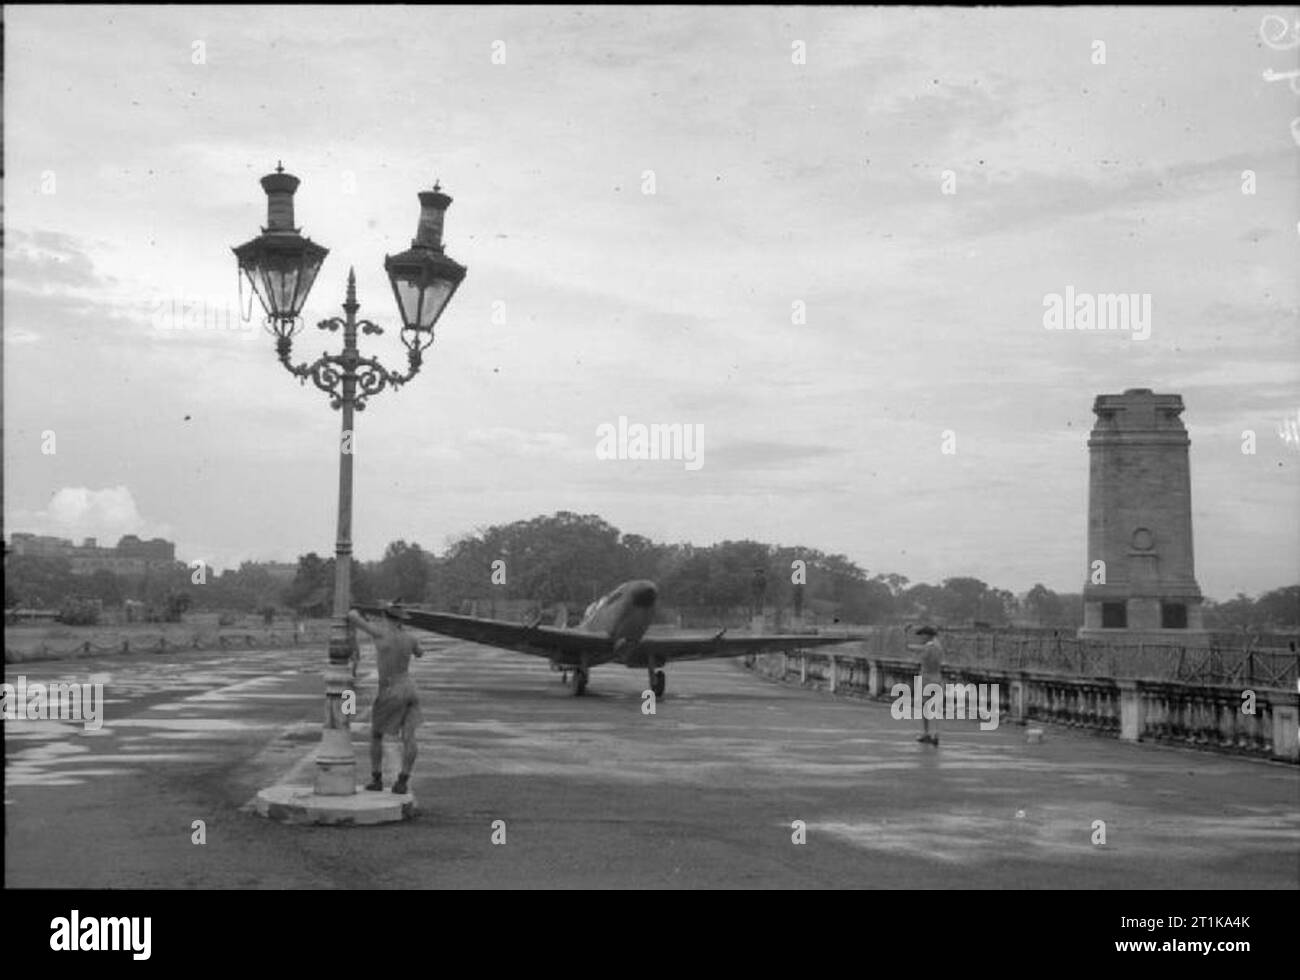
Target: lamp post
(281, 267)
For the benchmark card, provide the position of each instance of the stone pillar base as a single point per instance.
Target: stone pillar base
(1018, 712)
(1130, 712)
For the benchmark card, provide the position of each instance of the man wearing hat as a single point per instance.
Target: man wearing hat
(931, 673)
(396, 710)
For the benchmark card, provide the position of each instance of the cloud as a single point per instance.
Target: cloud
(79, 512)
(768, 455)
(42, 261)
(512, 442)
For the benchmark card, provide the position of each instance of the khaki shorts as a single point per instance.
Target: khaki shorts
(396, 709)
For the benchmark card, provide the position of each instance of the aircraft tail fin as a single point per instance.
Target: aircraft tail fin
(562, 616)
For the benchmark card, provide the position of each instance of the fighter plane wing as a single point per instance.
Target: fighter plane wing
(560, 645)
(668, 648)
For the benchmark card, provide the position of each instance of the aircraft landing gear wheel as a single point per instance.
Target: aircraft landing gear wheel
(579, 682)
(660, 682)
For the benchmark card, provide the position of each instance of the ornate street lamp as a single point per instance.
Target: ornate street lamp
(424, 278)
(281, 266)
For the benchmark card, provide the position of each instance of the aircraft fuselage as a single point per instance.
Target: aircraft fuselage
(623, 615)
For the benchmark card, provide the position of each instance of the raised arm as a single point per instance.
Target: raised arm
(364, 625)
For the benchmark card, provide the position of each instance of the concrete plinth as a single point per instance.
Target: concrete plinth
(1131, 722)
(1286, 732)
(301, 804)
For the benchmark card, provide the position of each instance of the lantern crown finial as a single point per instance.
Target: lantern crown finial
(280, 188)
(433, 211)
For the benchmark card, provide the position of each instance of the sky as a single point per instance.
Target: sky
(824, 235)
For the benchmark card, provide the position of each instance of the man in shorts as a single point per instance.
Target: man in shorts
(396, 710)
(931, 673)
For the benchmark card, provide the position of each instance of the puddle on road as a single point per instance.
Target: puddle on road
(193, 724)
(1057, 831)
(964, 838)
(129, 758)
(47, 753)
(66, 778)
(43, 731)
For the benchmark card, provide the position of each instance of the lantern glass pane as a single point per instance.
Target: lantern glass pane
(259, 286)
(306, 278)
(284, 282)
(436, 295)
(408, 299)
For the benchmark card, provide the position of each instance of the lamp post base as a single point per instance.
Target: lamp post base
(336, 762)
(302, 805)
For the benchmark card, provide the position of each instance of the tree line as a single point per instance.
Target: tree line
(572, 559)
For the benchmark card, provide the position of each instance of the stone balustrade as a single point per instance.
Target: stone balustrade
(1206, 716)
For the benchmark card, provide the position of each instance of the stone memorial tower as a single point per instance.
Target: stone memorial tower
(1141, 581)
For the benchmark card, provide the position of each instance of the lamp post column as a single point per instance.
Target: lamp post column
(336, 760)
(280, 266)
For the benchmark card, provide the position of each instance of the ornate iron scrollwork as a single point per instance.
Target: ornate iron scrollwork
(332, 373)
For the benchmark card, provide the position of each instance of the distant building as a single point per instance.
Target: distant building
(39, 545)
(131, 556)
(283, 572)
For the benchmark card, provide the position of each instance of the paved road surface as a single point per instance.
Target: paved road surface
(595, 793)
